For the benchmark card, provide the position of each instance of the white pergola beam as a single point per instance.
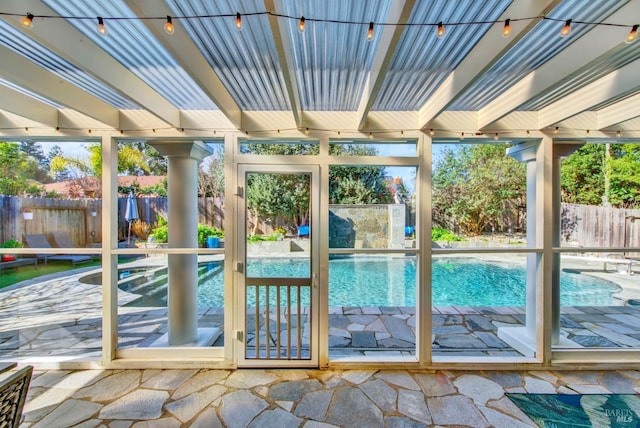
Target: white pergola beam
(487, 52)
(185, 51)
(27, 107)
(619, 112)
(610, 86)
(26, 74)
(283, 48)
(66, 41)
(583, 51)
(400, 11)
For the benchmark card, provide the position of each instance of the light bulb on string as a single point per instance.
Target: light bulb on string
(440, 31)
(555, 131)
(566, 30)
(57, 129)
(462, 135)
(587, 133)
(432, 132)
(101, 28)
(506, 30)
(27, 21)
(371, 135)
(632, 35)
(496, 136)
(306, 131)
(168, 26)
(238, 21)
(301, 24)
(618, 134)
(370, 33)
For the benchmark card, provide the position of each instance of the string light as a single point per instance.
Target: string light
(432, 132)
(26, 129)
(632, 34)
(168, 26)
(506, 30)
(566, 30)
(371, 135)
(89, 131)
(618, 134)
(441, 30)
(587, 133)
(57, 129)
(238, 21)
(306, 131)
(153, 131)
(301, 24)
(370, 33)
(101, 28)
(496, 136)
(27, 21)
(122, 132)
(401, 132)
(338, 134)
(462, 135)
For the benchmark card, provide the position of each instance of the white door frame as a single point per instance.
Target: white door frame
(239, 267)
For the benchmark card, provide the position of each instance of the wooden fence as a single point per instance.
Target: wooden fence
(582, 225)
(82, 218)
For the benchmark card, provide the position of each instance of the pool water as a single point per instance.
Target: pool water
(391, 281)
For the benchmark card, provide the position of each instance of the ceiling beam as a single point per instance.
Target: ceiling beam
(26, 74)
(612, 85)
(624, 110)
(486, 53)
(66, 41)
(186, 52)
(28, 107)
(390, 36)
(284, 49)
(579, 54)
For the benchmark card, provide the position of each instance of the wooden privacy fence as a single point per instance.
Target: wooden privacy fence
(582, 225)
(82, 218)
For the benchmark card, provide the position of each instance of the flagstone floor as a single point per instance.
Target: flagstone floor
(299, 398)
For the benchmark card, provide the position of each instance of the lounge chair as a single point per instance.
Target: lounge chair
(13, 394)
(40, 241)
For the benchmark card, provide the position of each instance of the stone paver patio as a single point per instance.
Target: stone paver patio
(299, 398)
(61, 316)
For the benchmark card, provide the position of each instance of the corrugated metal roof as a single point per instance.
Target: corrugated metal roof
(133, 45)
(591, 72)
(422, 61)
(246, 61)
(537, 47)
(21, 43)
(332, 60)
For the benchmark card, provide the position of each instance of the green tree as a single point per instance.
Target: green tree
(211, 173)
(477, 186)
(582, 175)
(624, 169)
(16, 171)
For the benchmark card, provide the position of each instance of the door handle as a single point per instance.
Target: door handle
(314, 280)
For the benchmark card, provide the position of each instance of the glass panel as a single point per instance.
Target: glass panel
(270, 147)
(598, 291)
(372, 301)
(473, 298)
(372, 207)
(46, 310)
(366, 148)
(479, 195)
(142, 299)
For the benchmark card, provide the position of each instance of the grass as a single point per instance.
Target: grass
(12, 276)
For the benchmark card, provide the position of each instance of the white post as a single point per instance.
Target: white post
(182, 180)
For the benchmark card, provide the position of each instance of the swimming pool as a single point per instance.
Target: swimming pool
(388, 281)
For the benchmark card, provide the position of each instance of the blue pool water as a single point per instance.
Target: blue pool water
(390, 281)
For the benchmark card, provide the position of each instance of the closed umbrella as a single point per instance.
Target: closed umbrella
(131, 212)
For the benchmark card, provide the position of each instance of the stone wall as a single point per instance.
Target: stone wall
(366, 226)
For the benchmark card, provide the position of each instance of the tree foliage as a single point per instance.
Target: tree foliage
(475, 187)
(18, 171)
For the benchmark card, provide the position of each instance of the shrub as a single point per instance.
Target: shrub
(442, 234)
(12, 243)
(205, 231)
(140, 229)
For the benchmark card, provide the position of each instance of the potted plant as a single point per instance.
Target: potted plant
(11, 243)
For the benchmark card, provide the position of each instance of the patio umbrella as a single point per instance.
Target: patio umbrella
(131, 213)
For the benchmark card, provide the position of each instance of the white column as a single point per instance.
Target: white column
(182, 180)
(524, 339)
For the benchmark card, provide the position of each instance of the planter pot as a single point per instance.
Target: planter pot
(8, 258)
